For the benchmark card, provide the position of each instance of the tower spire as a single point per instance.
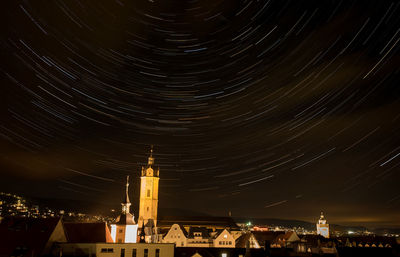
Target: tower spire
(151, 158)
(126, 199)
(126, 204)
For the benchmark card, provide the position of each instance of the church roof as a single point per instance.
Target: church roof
(78, 232)
(125, 219)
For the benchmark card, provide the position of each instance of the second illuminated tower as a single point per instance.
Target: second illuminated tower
(149, 193)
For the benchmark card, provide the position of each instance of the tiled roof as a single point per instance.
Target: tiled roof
(87, 232)
(242, 240)
(125, 219)
(27, 235)
(266, 236)
(203, 230)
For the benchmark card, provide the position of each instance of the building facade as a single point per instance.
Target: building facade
(199, 237)
(116, 250)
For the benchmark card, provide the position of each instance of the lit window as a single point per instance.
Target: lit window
(224, 255)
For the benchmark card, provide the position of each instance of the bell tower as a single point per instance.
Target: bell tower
(149, 193)
(124, 230)
(322, 226)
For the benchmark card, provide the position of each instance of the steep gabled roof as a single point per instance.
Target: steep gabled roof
(290, 235)
(203, 230)
(266, 236)
(125, 219)
(183, 230)
(185, 233)
(28, 236)
(219, 231)
(87, 232)
(242, 240)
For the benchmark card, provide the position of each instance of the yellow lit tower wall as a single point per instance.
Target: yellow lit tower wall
(149, 194)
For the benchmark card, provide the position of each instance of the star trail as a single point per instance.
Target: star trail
(272, 108)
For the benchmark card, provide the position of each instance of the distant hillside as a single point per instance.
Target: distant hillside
(179, 212)
(276, 222)
(89, 207)
(294, 223)
(82, 206)
(101, 208)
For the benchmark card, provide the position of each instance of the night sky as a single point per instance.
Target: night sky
(265, 108)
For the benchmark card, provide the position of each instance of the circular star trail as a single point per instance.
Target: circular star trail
(263, 108)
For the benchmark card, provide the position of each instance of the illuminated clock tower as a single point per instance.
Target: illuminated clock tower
(149, 193)
(323, 226)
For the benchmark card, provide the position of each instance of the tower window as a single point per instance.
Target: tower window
(133, 252)
(147, 208)
(123, 252)
(157, 252)
(148, 192)
(146, 252)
